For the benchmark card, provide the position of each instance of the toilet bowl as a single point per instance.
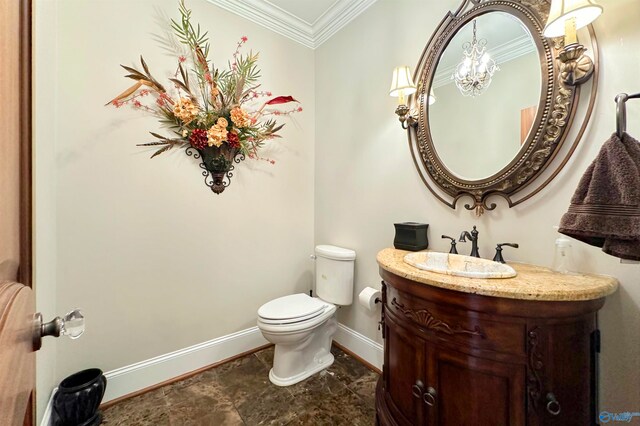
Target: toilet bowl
(303, 343)
(302, 327)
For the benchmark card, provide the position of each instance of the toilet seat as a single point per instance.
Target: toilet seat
(289, 320)
(293, 313)
(291, 309)
(296, 327)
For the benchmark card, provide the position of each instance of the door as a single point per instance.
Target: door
(17, 360)
(475, 391)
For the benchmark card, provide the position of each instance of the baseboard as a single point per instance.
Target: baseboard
(369, 350)
(142, 375)
(134, 377)
(46, 417)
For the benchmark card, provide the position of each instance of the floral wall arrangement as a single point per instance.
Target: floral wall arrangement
(218, 116)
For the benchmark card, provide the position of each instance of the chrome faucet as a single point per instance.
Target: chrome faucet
(473, 236)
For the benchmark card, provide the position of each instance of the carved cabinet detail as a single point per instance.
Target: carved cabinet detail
(453, 358)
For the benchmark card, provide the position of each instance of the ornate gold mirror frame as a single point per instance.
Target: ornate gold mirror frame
(555, 116)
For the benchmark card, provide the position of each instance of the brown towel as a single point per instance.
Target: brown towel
(605, 209)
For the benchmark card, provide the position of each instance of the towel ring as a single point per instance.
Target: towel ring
(621, 112)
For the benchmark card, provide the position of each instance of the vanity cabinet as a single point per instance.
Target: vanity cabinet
(456, 358)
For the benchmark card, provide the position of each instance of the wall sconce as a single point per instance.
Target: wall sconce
(402, 86)
(565, 18)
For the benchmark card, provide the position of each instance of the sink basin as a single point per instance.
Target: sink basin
(459, 265)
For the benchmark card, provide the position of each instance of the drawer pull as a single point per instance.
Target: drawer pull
(429, 397)
(417, 389)
(553, 406)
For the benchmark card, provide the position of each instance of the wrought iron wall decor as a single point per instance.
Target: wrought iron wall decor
(216, 180)
(555, 115)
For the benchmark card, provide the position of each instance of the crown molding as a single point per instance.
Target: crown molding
(311, 35)
(501, 54)
(337, 17)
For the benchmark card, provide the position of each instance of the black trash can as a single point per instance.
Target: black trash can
(78, 397)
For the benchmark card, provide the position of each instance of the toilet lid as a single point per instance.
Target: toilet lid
(292, 307)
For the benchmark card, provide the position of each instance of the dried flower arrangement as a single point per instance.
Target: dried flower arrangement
(218, 118)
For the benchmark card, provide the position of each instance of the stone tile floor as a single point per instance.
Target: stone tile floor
(240, 393)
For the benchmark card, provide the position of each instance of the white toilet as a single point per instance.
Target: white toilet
(302, 327)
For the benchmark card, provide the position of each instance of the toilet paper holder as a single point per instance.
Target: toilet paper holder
(369, 297)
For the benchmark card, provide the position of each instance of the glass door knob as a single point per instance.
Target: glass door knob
(72, 325)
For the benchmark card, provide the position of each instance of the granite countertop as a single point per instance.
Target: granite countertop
(532, 282)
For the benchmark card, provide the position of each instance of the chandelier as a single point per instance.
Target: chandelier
(473, 74)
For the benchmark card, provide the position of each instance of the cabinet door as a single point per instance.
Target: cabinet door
(475, 391)
(404, 373)
(562, 380)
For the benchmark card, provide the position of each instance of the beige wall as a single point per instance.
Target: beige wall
(154, 258)
(365, 179)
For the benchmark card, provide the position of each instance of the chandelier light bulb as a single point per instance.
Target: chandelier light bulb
(474, 73)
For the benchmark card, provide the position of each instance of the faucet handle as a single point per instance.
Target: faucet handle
(498, 257)
(453, 244)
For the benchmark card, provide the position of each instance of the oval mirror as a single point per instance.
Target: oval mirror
(491, 111)
(494, 113)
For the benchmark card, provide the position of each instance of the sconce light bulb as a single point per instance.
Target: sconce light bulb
(570, 31)
(401, 100)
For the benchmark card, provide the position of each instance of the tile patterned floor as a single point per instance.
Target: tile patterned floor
(240, 393)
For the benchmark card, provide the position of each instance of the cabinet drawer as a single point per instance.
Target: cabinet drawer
(473, 329)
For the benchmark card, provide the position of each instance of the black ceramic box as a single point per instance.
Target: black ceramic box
(411, 236)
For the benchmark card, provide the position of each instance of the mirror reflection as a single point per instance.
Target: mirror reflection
(484, 95)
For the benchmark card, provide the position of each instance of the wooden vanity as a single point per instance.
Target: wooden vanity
(463, 351)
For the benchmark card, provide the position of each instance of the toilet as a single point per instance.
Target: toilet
(301, 326)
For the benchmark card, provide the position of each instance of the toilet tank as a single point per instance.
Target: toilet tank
(334, 274)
